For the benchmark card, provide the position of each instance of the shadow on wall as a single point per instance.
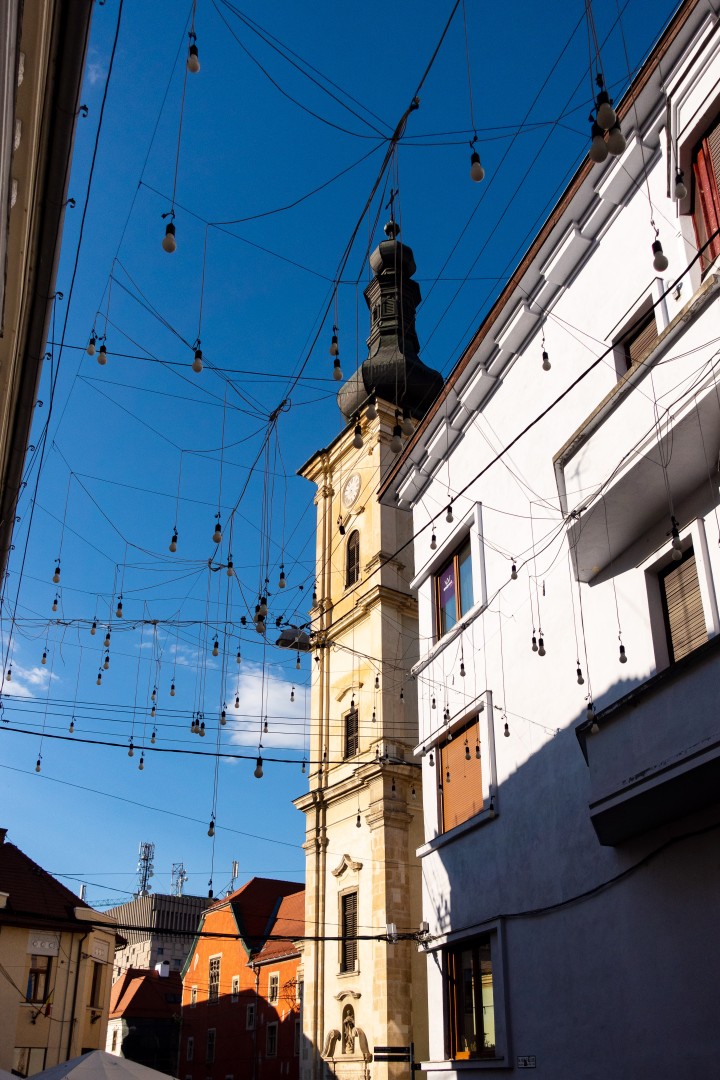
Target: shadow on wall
(610, 953)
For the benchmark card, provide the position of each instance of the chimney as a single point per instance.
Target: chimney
(3, 834)
(163, 968)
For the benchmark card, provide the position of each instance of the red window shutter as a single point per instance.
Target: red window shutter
(706, 213)
(462, 796)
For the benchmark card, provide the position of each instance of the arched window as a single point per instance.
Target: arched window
(352, 559)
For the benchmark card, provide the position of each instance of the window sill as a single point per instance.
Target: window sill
(464, 1064)
(486, 815)
(349, 974)
(442, 643)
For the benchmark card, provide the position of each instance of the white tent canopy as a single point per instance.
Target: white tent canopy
(98, 1065)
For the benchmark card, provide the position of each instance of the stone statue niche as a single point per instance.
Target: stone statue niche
(348, 1030)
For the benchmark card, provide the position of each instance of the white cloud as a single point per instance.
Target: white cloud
(266, 698)
(95, 72)
(28, 682)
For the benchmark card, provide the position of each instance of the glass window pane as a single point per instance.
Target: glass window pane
(466, 581)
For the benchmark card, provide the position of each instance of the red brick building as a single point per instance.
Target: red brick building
(241, 994)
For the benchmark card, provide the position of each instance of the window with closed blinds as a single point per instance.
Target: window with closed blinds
(351, 733)
(706, 205)
(352, 559)
(682, 607)
(348, 920)
(461, 783)
(641, 338)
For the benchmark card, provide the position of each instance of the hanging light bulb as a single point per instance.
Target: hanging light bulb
(446, 717)
(462, 669)
(106, 661)
(197, 364)
(467, 750)
(93, 628)
(402, 696)
(8, 677)
(434, 704)
(606, 115)
(217, 534)
(201, 733)
(660, 259)
(396, 441)
(292, 694)
(172, 689)
(44, 658)
(476, 170)
(541, 646)
(211, 827)
(680, 191)
(258, 771)
(172, 546)
(358, 823)
(477, 749)
(119, 609)
(677, 552)
(447, 776)
(598, 146)
(314, 595)
(594, 726)
(71, 729)
(223, 717)
(37, 765)
(141, 763)
(392, 786)
(513, 572)
(106, 642)
(377, 681)
(153, 696)
(193, 60)
(337, 370)
(449, 516)
(237, 701)
(334, 348)
(407, 425)
(153, 737)
(281, 582)
(580, 680)
(341, 527)
(297, 662)
(263, 606)
(372, 408)
(153, 712)
(431, 760)
(623, 657)
(374, 716)
(230, 568)
(358, 439)
(91, 345)
(616, 142)
(534, 644)
(55, 603)
(546, 365)
(260, 626)
(98, 681)
(215, 648)
(131, 750)
(168, 241)
(265, 727)
(433, 542)
(413, 794)
(102, 355)
(506, 732)
(56, 575)
(304, 767)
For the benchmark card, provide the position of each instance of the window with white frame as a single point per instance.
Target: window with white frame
(454, 593)
(274, 988)
(474, 998)
(681, 600)
(235, 988)
(214, 978)
(193, 996)
(250, 1017)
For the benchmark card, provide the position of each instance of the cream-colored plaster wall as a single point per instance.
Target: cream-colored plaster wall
(364, 632)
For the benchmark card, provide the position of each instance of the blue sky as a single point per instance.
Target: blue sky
(143, 444)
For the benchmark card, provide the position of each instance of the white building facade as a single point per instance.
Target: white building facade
(567, 568)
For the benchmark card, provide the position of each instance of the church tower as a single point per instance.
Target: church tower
(364, 804)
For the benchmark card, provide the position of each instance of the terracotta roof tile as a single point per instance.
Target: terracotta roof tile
(142, 992)
(34, 895)
(290, 920)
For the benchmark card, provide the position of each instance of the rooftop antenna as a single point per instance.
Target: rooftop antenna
(145, 867)
(178, 877)
(234, 876)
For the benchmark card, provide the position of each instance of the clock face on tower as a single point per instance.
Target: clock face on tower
(351, 490)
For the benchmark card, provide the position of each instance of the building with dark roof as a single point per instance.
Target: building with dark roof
(56, 961)
(158, 927)
(242, 987)
(144, 1024)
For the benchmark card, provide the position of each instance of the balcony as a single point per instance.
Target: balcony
(646, 436)
(656, 755)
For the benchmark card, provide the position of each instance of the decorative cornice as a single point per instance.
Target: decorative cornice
(346, 863)
(354, 994)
